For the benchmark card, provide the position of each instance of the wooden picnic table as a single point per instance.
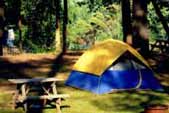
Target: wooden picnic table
(36, 92)
(161, 44)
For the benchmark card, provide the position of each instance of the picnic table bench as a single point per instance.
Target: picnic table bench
(37, 92)
(161, 44)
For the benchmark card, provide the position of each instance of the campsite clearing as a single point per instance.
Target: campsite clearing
(119, 102)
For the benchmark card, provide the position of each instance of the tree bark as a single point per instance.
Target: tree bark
(20, 25)
(140, 27)
(2, 25)
(20, 34)
(126, 21)
(58, 43)
(65, 21)
(58, 38)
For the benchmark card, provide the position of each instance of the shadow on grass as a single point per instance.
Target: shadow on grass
(67, 59)
(161, 68)
(162, 62)
(11, 67)
(137, 101)
(131, 101)
(27, 69)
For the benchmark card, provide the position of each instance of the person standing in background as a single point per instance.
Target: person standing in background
(11, 37)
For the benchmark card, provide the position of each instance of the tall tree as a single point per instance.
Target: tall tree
(20, 25)
(2, 24)
(65, 21)
(126, 21)
(140, 27)
(60, 48)
(58, 38)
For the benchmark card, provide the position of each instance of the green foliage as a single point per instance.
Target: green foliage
(89, 21)
(41, 25)
(157, 30)
(39, 20)
(100, 24)
(29, 46)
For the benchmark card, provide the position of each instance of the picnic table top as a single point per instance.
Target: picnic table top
(34, 80)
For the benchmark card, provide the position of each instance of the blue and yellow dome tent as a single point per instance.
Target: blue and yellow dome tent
(112, 65)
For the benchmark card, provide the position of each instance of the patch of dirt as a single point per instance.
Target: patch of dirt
(34, 65)
(30, 66)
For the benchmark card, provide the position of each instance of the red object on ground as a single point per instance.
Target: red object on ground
(157, 109)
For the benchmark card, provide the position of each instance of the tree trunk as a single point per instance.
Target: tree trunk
(58, 39)
(2, 25)
(58, 43)
(1, 41)
(20, 25)
(20, 34)
(126, 21)
(65, 21)
(140, 27)
(161, 17)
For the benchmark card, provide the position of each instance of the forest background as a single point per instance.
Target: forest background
(88, 22)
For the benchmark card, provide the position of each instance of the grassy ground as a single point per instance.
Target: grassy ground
(79, 101)
(86, 102)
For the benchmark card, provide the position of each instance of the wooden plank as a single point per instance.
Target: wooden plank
(58, 104)
(54, 88)
(52, 80)
(47, 97)
(41, 80)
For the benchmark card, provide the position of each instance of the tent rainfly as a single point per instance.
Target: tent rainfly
(112, 65)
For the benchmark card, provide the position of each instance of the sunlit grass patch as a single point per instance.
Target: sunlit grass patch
(86, 102)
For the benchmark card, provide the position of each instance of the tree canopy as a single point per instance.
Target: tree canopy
(88, 22)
